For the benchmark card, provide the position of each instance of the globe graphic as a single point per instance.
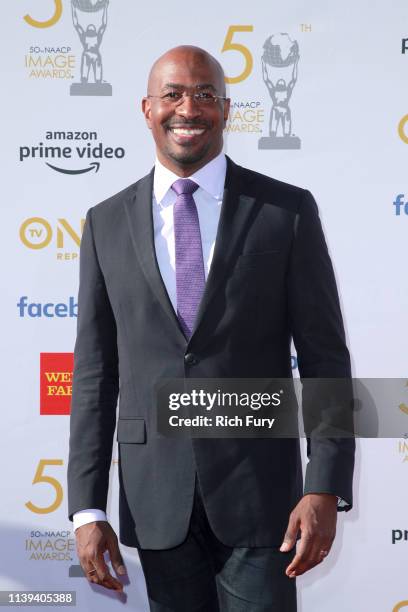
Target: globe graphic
(280, 50)
(89, 6)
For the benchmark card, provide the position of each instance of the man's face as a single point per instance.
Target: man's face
(187, 135)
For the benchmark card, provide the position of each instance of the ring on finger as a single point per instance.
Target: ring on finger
(92, 571)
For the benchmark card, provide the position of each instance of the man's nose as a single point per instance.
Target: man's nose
(188, 107)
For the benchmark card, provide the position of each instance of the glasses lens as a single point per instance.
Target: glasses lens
(177, 97)
(204, 97)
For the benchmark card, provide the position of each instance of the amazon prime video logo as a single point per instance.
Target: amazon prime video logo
(71, 152)
(279, 71)
(90, 18)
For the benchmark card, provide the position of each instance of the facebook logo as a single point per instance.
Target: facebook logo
(400, 206)
(49, 309)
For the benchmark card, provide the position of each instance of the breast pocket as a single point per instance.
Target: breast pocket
(131, 431)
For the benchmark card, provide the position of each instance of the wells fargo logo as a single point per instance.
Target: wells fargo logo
(56, 382)
(38, 233)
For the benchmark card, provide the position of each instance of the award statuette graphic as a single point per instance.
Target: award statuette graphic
(279, 71)
(90, 18)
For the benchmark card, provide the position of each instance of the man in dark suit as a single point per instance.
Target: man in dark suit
(202, 269)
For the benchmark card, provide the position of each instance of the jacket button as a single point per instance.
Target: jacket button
(190, 359)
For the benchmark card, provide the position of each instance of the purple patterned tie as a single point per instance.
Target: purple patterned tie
(190, 275)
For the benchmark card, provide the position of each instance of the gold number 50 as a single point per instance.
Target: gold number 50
(40, 477)
(230, 46)
(49, 22)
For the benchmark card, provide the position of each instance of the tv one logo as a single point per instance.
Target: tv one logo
(402, 129)
(37, 233)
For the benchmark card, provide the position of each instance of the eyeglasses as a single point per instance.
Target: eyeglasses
(202, 98)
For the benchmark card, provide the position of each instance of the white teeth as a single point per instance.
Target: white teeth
(187, 132)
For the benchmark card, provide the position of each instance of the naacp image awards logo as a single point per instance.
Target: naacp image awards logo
(280, 60)
(90, 18)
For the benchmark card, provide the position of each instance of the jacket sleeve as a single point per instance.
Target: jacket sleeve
(318, 333)
(95, 385)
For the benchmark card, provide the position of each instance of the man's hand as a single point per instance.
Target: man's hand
(315, 515)
(92, 539)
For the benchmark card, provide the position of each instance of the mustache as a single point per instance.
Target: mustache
(187, 124)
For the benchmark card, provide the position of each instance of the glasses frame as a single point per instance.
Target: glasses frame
(185, 95)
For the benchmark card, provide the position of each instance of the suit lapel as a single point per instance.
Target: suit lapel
(235, 215)
(140, 218)
(236, 212)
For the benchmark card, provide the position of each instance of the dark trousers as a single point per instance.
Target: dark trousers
(204, 575)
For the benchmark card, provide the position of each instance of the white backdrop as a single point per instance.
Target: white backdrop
(348, 101)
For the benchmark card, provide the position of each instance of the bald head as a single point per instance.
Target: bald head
(190, 56)
(187, 128)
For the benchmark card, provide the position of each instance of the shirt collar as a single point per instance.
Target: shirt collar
(210, 177)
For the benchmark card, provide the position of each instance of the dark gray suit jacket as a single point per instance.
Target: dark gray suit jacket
(271, 278)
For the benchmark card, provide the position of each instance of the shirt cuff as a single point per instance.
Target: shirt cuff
(88, 516)
(341, 503)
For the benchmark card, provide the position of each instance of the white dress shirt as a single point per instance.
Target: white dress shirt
(208, 198)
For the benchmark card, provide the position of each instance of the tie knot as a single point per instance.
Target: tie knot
(184, 186)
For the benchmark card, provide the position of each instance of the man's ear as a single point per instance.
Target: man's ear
(146, 110)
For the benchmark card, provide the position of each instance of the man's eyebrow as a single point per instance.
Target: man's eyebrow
(205, 86)
(180, 86)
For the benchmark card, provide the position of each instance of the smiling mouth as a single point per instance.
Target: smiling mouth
(178, 131)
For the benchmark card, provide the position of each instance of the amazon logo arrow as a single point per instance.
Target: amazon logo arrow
(94, 165)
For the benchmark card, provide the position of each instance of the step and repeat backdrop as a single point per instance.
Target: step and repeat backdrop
(319, 99)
